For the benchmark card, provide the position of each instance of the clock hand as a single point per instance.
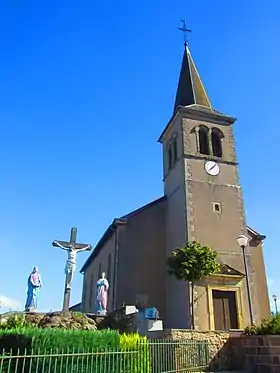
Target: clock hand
(211, 168)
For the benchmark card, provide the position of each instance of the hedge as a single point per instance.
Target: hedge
(102, 351)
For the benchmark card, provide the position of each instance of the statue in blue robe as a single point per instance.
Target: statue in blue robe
(34, 285)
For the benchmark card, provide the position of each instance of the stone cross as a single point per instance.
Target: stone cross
(72, 247)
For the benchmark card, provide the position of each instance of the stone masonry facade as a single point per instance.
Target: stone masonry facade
(221, 344)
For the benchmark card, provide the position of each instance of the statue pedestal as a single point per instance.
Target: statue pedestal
(145, 325)
(130, 310)
(101, 313)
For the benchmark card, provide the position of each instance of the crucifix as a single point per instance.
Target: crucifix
(72, 247)
(185, 30)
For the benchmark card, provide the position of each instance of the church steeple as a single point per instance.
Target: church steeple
(190, 89)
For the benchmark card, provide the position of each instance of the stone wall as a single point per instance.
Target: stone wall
(63, 320)
(224, 346)
(261, 354)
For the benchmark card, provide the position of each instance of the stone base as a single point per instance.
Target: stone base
(261, 353)
(98, 319)
(130, 310)
(59, 319)
(224, 347)
(147, 326)
(118, 320)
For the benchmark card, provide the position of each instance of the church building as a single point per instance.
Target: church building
(202, 201)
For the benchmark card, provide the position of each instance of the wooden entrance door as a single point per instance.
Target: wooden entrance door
(225, 310)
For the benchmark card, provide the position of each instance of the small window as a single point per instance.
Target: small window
(217, 207)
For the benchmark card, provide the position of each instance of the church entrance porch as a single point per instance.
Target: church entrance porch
(225, 310)
(225, 307)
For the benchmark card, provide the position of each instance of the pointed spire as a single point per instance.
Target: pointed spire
(190, 89)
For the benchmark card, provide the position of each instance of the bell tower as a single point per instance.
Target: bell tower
(204, 203)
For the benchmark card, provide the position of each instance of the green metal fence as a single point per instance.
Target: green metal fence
(159, 356)
(169, 356)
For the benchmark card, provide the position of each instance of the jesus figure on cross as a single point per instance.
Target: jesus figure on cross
(70, 266)
(72, 248)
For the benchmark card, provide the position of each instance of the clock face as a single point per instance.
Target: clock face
(212, 168)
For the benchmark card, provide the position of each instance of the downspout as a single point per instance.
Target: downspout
(115, 227)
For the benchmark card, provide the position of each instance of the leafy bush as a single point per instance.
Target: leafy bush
(269, 326)
(136, 353)
(13, 321)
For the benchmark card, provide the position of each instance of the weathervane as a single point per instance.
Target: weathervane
(185, 30)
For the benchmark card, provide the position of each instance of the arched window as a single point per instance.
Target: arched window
(203, 140)
(169, 156)
(91, 295)
(175, 150)
(108, 275)
(84, 295)
(216, 139)
(99, 271)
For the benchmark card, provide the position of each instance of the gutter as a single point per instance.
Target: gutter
(115, 228)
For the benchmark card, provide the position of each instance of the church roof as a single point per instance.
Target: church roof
(145, 207)
(76, 307)
(255, 234)
(190, 89)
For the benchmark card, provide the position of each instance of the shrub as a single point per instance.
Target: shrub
(269, 326)
(13, 321)
(136, 353)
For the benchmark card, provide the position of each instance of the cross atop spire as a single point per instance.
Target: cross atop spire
(190, 89)
(184, 30)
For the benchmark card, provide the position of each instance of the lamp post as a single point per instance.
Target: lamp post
(275, 301)
(242, 242)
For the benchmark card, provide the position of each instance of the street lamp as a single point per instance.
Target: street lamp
(243, 242)
(275, 301)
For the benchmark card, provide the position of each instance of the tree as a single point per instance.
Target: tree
(191, 263)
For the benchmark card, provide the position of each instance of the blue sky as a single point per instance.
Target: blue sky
(86, 89)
